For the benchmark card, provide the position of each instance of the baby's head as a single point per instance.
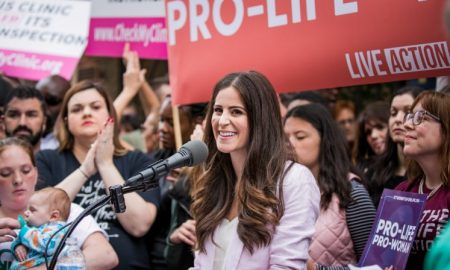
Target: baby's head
(47, 205)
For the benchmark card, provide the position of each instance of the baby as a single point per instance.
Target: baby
(47, 211)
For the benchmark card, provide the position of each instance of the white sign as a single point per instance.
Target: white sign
(127, 8)
(42, 37)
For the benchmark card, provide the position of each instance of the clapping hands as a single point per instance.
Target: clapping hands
(101, 151)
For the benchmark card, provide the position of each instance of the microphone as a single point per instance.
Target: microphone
(190, 154)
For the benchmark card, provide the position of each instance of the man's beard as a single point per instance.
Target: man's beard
(33, 139)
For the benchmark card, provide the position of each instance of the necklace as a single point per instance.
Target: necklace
(432, 192)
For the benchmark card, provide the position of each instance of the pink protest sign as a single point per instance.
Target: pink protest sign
(39, 38)
(142, 24)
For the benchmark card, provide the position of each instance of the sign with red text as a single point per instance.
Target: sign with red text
(303, 44)
(140, 23)
(42, 37)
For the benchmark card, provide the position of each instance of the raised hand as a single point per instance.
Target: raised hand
(125, 53)
(134, 76)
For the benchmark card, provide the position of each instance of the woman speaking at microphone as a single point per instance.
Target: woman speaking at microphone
(91, 159)
(254, 207)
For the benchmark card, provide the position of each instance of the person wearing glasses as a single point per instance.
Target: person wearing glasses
(427, 146)
(53, 88)
(389, 168)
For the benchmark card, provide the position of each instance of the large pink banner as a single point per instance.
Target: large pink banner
(303, 44)
(147, 36)
(35, 66)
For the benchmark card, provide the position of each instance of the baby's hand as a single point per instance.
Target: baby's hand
(22, 221)
(21, 253)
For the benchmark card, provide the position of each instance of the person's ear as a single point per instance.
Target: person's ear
(55, 215)
(44, 125)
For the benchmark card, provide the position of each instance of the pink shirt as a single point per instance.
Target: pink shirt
(289, 246)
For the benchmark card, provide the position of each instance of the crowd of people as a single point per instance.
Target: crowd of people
(289, 183)
(298, 190)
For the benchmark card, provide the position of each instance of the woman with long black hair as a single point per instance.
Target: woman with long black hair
(346, 210)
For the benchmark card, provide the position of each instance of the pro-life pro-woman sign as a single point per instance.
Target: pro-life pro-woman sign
(394, 229)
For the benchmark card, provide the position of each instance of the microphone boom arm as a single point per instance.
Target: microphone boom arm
(190, 154)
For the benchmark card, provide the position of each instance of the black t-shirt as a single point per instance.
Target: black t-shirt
(54, 166)
(392, 183)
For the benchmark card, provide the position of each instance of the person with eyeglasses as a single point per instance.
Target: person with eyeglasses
(53, 88)
(427, 145)
(389, 169)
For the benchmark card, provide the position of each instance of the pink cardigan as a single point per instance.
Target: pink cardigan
(289, 246)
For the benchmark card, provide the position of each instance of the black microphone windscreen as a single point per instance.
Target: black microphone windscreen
(199, 151)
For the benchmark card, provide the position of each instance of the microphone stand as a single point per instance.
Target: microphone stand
(115, 197)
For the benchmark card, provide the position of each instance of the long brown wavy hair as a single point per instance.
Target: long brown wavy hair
(260, 189)
(438, 104)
